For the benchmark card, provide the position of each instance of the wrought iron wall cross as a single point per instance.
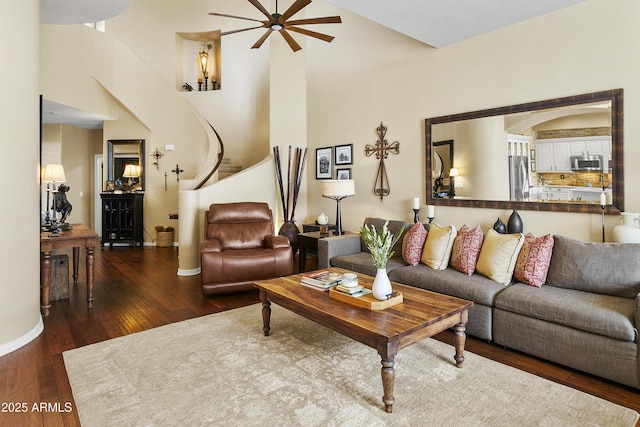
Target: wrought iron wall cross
(382, 149)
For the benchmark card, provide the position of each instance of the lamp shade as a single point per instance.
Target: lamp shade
(338, 188)
(131, 171)
(453, 172)
(53, 173)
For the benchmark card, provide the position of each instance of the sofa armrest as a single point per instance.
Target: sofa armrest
(210, 245)
(638, 320)
(274, 242)
(329, 247)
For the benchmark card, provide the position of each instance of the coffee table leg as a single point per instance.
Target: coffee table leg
(459, 339)
(388, 378)
(266, 313)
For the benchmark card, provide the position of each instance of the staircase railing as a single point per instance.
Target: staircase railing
(218, 162)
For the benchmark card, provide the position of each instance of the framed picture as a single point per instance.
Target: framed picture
(344, 154)
(343, 173)
(324, 163)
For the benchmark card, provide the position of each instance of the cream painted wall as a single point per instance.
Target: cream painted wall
(20, 171)
(370, 74)
(240, 111)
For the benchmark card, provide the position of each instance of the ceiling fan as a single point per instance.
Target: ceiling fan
(279, 23)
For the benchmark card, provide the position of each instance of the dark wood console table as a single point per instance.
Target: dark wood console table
(79, 235)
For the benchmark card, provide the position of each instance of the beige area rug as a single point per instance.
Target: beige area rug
(221, 370)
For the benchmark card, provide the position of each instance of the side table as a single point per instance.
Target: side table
(308, 242)
(316, 227)
(79, 235)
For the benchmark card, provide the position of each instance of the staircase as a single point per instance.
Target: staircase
(227, 169)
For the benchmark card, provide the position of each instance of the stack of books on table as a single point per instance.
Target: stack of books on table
(355, 291)
(321, 280)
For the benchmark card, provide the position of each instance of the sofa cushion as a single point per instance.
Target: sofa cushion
(498, 255)
(604, 268)
(604, 315)
(437, 247)
(466, 248)
(476, 288)
(412, 244)
(533, 261)
(394, 227)
(363, 263)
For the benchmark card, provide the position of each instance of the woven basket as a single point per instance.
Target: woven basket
(164, 239)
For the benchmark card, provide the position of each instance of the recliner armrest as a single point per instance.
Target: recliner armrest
(275, 242)
(329, 247)
(211, 245)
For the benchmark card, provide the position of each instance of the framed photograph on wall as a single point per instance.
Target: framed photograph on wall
(324, 163)
(344, 154)
(343, 173)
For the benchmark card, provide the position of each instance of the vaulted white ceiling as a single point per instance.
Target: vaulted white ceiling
(439, 23)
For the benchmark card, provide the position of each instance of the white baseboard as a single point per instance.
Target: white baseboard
(23, 340)
(192, 272)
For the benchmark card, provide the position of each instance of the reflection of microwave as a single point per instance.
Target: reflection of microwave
(586, 163)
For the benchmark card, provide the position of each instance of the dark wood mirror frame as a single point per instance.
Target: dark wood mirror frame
(617, 159)
(111, 163)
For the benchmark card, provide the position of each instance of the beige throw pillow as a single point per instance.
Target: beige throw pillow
(437, 248)
(498, 255)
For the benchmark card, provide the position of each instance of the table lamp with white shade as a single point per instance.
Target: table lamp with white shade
(337, 190)
(131, 172)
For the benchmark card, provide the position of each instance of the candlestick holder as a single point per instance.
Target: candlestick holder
(416, 218)
(602, 206)
(206, 83)
(199, 86)
(431, 218)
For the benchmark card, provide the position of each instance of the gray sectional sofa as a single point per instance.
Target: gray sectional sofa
(585, 316)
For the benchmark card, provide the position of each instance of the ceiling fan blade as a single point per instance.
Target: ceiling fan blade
(311, 33)
(294, 8)
(292, 43)
(325, 20)
(261, 40)
(239, 31)
(233, 16)
(261, 8)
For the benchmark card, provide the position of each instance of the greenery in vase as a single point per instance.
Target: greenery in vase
(380, 245)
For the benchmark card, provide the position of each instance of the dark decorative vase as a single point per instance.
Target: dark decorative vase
(515, 223)
(500, 227)
(291, 230)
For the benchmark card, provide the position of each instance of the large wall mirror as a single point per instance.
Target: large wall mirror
(124, 152)
(555, 155)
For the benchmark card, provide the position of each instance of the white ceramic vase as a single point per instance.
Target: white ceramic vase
(381, 285)
(628, 231)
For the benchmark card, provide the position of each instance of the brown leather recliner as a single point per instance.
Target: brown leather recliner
(240, 248)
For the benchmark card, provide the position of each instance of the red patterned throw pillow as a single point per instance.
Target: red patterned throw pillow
(466, 248)
(412, 244)
(534, 259)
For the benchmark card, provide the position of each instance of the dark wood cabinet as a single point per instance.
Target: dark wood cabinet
(122, 218)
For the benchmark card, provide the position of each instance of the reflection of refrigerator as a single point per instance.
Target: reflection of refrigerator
(518, 177)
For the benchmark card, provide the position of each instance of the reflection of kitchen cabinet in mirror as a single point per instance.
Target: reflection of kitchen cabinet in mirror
(578, 144)
(122, 152)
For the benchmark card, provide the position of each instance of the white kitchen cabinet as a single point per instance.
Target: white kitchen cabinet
(544, 157)
(553, 156)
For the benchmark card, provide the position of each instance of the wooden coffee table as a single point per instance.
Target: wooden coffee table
(421, 315)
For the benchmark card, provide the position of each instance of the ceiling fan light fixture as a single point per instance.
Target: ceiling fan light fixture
(276, 27)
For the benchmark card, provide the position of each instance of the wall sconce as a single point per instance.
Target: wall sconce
(338, 190)
(131, 171)
(453, 172)
(204, 60)
(53, 175)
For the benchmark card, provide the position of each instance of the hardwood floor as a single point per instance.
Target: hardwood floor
(138, 289)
